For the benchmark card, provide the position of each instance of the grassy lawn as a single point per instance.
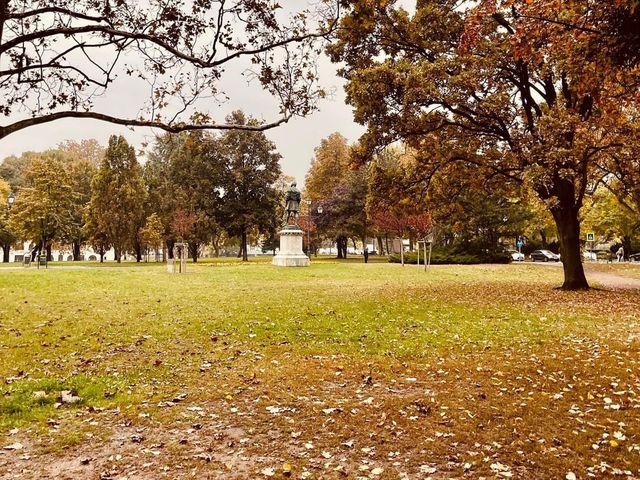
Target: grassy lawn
(342, 369)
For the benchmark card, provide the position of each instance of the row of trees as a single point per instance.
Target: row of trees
(393, 195)
(196, 187)
(207, 189)
(385, 199)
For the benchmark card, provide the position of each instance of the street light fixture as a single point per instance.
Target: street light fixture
(319, 213)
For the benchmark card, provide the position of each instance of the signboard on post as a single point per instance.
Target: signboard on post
(591, 237)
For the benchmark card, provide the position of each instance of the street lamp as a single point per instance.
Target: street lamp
(7, 245)
(308, 202)
(310, 218)
(319, 213)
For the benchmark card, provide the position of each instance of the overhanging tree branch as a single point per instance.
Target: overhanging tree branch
(172, 128)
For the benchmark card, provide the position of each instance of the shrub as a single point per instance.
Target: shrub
(448, 256)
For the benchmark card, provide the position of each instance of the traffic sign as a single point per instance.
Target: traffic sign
(591, 237)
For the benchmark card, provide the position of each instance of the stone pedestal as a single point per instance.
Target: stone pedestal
(291, 254)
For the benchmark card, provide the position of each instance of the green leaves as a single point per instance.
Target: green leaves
(116, 209)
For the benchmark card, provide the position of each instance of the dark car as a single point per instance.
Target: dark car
(635, 257)
(544, 256)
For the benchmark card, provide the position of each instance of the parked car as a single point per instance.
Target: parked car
(588, 255)
(635, 257)
(517, 257)
(544, 256)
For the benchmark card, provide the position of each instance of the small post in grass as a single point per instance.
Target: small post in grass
(178, 264)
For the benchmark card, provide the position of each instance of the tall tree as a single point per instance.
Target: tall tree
(151, 235)
(58, 57)
(466, 87)
(157, 174)
(183, 177)
(81, 162)
(116, 208)
(610, 219)
(340, 190)
(251, 170)
(197, 170)
(43, 209)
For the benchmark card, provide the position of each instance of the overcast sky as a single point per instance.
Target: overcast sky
(295, 140)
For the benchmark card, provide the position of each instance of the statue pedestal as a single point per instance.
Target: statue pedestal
(291, 254)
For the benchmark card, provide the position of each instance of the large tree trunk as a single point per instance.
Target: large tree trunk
(49, 256)
(138, 249)
(76, 250)
(568, 225)
(341, 243)
(193, 250)
(626, 243)
(5, 252)
(169, 248)
(243, 241)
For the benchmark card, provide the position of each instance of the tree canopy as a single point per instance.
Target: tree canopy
(340, 190)
(59, 57)
(252, 167)
(116, 208)
(42, 211)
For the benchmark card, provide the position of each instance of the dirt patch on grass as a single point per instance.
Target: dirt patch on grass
(520, 413)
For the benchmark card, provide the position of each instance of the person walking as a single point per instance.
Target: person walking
(620, 254)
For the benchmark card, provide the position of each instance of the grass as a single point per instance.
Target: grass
(130, 340)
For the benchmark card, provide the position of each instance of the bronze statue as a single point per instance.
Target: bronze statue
(292, 204)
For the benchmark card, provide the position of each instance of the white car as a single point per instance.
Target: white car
(517, 257)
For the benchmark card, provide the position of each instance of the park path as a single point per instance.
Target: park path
(613, 281)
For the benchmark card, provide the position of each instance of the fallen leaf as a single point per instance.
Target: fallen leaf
(14, 446)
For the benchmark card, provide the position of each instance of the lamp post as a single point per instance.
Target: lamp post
(44, 256)
(6, 245)
(319, 213)
(308, 202)
(310, 218)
